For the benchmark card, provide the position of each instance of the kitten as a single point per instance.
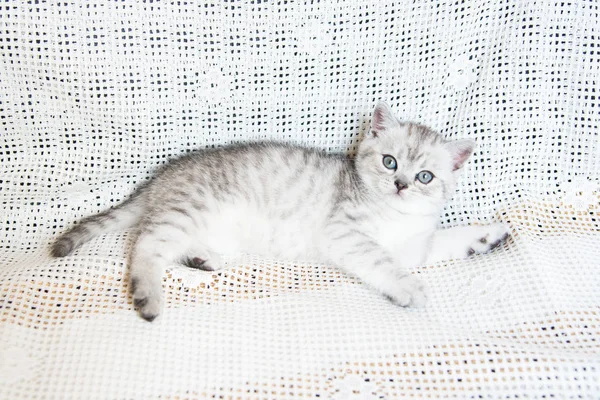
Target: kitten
(374, 217)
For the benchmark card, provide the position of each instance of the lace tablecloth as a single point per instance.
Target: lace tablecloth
(95, 95)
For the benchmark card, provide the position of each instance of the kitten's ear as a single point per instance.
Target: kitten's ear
(460, 150)
(383, 119)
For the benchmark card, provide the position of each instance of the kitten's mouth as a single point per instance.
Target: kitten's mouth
(400, 187)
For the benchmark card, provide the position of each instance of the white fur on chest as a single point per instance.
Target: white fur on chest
(406, 236)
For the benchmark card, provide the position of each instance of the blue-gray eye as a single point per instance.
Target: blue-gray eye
(425, 177)
(389, 162)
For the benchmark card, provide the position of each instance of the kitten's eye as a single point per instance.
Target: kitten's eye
(425, 177)
(389, 162)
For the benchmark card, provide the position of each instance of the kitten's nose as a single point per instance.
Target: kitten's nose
(400, 185)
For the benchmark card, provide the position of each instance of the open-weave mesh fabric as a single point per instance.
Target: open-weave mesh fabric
(94, 95)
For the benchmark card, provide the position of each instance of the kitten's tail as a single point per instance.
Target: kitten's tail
(125, 215)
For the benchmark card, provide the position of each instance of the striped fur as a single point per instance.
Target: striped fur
(295, 203)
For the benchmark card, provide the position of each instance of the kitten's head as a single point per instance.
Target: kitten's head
(409, 166)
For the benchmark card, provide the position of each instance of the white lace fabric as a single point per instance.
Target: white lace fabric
(95, 95)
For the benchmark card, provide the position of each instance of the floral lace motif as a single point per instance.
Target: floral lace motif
(355, 387)
(462, 72)
(214, 86)
(580, 193)
(311, 34)
(485, 290)
(189, 277)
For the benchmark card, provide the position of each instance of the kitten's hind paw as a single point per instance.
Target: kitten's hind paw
(409, 292)
(145, 300)
(197, 263)
(207, 262)
(490, 237)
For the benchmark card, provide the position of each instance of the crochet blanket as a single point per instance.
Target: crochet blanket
(95, 95)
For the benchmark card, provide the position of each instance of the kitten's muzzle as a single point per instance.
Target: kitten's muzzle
(400, 186)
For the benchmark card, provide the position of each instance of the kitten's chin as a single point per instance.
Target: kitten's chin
(406, 204)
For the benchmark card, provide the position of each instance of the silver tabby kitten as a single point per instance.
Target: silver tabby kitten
(374, 217)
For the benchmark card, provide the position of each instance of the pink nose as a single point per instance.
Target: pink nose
(400, 185)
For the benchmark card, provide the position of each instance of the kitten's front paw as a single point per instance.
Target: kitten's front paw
(489, 237)
(409, 292)
(146, 299)
(207, 261)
